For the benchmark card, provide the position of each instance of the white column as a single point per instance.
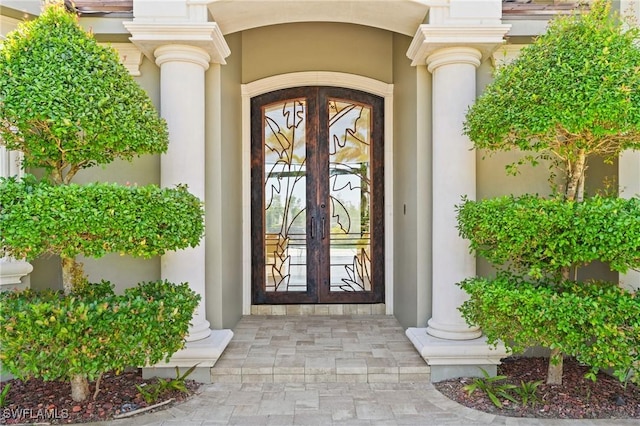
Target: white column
(183, 50)
(182, 93)
(453, 45)
(629, 178)
(10, 163)
(454, 176)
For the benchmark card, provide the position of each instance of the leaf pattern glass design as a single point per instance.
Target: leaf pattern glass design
(285, 196)
(350, 197)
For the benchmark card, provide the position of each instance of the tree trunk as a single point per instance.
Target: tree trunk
(573, 192)
(72, 274)
(79, 388)
(68, 267)
(554, 372)
(580, 193)
(575, 174)
(67, 273)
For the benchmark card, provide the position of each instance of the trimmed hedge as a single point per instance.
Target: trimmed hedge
(68, 101)
(55, 337)
(596, 322)
(95, 219)
(538, 236)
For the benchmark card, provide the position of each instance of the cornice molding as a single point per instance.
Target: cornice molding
(207, 36)
(505, 54)
(7, 25)
(430, 38)
(130, 56)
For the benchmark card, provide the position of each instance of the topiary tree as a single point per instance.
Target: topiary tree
(530, 240)
(67, 103)
(571, 95)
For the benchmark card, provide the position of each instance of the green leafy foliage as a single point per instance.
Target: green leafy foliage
(67, 102)
(570, 95)
(541, 236)
(494, 387)
(151, 393)
(54, 336)
(95, 219)
(596, 322)
(527, 392)
(497, 389)
(3, 394)
(572, 92)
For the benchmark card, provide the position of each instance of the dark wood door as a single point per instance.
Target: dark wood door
(317, 197)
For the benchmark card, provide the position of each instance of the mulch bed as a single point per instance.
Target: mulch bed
(576, 398)
(36, 401)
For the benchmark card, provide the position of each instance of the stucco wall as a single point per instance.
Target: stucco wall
(280, 49)
(224, 147)
(412, 188)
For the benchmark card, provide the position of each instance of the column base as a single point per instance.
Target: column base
(11, 273)
(449, 332)
(449, 359)
(203, 352)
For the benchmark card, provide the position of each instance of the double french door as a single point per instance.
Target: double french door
(317, 197)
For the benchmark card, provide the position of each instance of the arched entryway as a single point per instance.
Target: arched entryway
(317, 196)
(355, 280)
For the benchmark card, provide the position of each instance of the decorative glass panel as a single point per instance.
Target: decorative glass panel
(350, 206)
(285, 196)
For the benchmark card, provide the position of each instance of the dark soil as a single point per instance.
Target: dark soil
(35, 401)
(576, 398)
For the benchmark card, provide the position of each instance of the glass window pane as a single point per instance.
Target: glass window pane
(285, 196)
(349, 183)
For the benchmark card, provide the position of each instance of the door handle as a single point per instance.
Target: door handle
(313, 225)
(323, 228)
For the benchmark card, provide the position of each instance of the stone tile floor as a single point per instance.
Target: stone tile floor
(320, 349)
(324, 370)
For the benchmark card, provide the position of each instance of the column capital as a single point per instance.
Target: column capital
(429, 38)
(454, 55)
(149, 36)
(182, 53)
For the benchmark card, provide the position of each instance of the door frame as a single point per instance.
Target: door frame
(320, 78)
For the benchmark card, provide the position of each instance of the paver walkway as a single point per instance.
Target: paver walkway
(324, 370)
(320, 349)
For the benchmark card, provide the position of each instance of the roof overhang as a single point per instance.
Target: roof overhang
(400, 16)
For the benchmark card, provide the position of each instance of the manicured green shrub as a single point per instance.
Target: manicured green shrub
(568, 97)
(39, 218)
(540, 236)
(68, 103)
(53, 336)
(596, 322)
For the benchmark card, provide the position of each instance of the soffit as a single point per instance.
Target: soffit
(401, 16)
